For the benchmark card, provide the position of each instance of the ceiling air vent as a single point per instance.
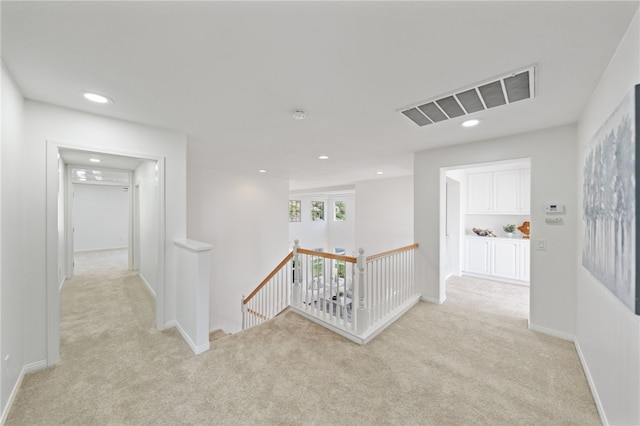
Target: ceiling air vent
(510, 88)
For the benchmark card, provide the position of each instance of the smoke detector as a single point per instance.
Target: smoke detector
(299, 114)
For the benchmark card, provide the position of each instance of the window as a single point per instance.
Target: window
(317, 211)
(339, 210)
(295, 211)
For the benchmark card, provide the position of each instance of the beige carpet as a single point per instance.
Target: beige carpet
(471, 361)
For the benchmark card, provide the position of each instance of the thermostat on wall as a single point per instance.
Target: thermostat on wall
(553, 208)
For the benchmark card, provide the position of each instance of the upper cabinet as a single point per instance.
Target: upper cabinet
(499, 192)
(480, 192)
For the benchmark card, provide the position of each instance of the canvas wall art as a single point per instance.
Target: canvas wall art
(609, 206)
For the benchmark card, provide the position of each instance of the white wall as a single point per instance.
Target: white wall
(311, 234)
(342, 233)
(245, 218)
(384, 219)
(608, 333)
(12, 263)
(100, 217)
(89, 132)
(145, 182)
(553, 166)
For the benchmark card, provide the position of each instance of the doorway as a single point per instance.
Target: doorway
(147, 173)
(478, 199)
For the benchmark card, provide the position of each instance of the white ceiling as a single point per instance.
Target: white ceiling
(229, 74)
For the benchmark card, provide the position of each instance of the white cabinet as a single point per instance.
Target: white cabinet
(504, 259)
(499, 192)
(525, 190)
(480, 190)
(498, 258)
(477, 255)
(506, 187)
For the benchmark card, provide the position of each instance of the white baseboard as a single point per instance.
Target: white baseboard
(439, 301)
(64, 279)
(195, 348)
(35, 366)
(100, 249)
(29, 368)
(144, 280)
(592, 384)
(551, 332)
(170, 324)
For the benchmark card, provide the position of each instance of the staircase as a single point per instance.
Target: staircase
(356, 297)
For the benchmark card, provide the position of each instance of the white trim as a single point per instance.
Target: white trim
(195, 348)
(551, 332)
(64, 279)
(371, 332)
(495, 278)
(144, 280)
(51, 210)
(170, 324)
(29, 368)
(380, 327)
(34, 366)
(51, 237)
(592, 383)
(332, 327)
(433, 299)
(100, 249)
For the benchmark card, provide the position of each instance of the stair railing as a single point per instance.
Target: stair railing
(359, 296)
(390, 281)
(271, 297)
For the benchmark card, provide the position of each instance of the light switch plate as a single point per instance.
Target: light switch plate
(541, 245)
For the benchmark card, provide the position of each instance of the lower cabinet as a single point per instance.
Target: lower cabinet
(498, 258)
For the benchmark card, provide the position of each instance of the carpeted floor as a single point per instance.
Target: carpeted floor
(470, 361)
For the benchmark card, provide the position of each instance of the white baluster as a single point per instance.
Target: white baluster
(243, 309)
(297, 271)
(362, 317)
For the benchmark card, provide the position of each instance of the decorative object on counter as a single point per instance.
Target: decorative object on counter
(509, 229)
(524, 228)
(484, 232)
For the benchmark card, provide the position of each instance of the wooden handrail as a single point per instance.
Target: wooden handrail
(271, 275)
(391, 252)
(252, 312)
(349, 259)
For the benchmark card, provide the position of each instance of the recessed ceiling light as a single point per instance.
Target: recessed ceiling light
(323, 157)
(94, 160)
(100, 99)
(379, 173)
(471, 123)
(299, 114)
(262, 171)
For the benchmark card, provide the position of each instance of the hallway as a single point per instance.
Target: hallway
(463, 362)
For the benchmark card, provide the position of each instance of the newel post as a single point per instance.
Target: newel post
(297, 272)
(362, 318)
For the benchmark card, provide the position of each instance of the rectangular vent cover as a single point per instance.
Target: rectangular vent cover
(510, 88)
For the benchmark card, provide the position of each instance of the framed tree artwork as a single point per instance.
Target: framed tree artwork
(610, 202)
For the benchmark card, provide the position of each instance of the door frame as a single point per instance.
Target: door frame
(442, 273)
(52, 174)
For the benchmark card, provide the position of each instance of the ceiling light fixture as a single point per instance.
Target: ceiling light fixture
(299, 114)
(262, 171)
(471, 123)
(100, 99)
(323, 157)
(379, 173)
(94, 160)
